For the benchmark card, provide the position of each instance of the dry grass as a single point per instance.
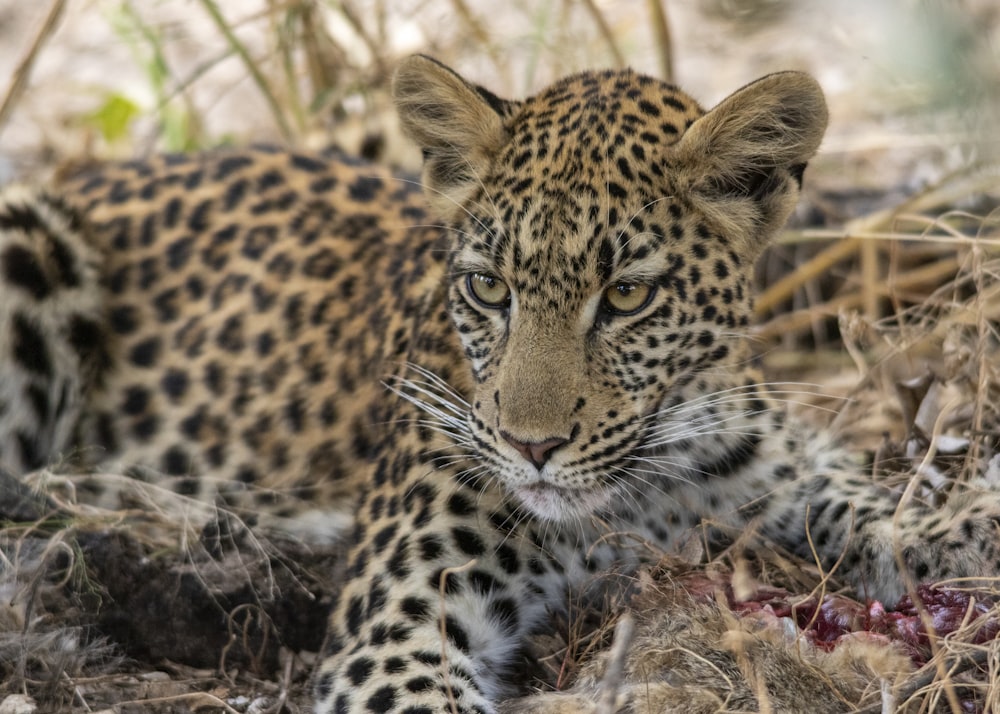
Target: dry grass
(169, 582)
(315, 72)
(914, 383)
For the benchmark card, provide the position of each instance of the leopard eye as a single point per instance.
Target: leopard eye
(627, 298)
(489, 290)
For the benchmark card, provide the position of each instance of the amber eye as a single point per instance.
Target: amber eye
(627, 298)
(488, 290)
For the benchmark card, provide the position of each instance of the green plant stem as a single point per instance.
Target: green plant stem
(661, 28)
(258, 78)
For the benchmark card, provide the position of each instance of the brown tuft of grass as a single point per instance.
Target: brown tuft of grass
(196, 609)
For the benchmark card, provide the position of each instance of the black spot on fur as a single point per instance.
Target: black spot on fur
(30, 348)
(120, 192)
(167, 305)
(257, 240)
(324, 684)
(364, 188)
(430, 547)
(397, 632)
(468, 541)
(507, 557)
(21, 217)
(359, 670)
(394, 665)
(191, 427)
(323, 185)
(420, 684)
(415, 609)
(306, 163)
(269, 179)
(172, 212)
(230, 337)
(382, 700)
(88, 340)
(384, 537)
(21, 269)
(432, 659)
(735, 458)
(179, 252)
(355, 615)
(456, 633)
(460, 505)
(136, 400)
(451, 582)
(215, 378)
(27, 450)
(188, 486)
(174, 383)
(504, 610)
(176, 461)
(399, 564)
(235, 193)
(230, 165)
(39, 399)
(65, 264)
(146, 352)
(482, 582)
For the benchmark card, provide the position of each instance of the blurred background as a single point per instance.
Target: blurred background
(909, 81)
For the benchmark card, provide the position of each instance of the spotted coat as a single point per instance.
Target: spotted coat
(494, 389)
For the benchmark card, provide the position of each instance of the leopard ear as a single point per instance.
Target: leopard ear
(458, 125)
(742, 162)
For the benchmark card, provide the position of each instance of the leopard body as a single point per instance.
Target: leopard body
(531, 371)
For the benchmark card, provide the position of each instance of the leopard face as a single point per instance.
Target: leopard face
(600, 264)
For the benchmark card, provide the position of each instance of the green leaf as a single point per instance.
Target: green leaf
(113, 118)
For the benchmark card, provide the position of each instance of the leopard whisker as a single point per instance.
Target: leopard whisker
(449, 411)
(665, 433)
(657, 468)
(427, 389)
(450, 459)
(444, 426)
(442, 194)
(673, 475)
(736, 396)
(436, 382)
(622, 480)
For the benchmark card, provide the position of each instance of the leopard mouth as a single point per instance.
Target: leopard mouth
(552, 502)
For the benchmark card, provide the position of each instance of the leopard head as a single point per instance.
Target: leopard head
(604, 233)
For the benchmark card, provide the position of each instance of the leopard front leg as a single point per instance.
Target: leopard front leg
(435, 606)
(848, 520)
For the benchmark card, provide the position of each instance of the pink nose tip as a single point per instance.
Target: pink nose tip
(537, 453)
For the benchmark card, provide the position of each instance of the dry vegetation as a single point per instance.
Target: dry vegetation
(881, 305)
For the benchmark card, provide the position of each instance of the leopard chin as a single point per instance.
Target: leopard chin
(553, 503)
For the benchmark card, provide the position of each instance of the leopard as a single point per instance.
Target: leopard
(493, 383)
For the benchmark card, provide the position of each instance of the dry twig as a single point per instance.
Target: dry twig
(19, 80)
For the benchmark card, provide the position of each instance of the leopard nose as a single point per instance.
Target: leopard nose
(538, 452)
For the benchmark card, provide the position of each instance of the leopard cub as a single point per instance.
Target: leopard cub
(493, 389)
